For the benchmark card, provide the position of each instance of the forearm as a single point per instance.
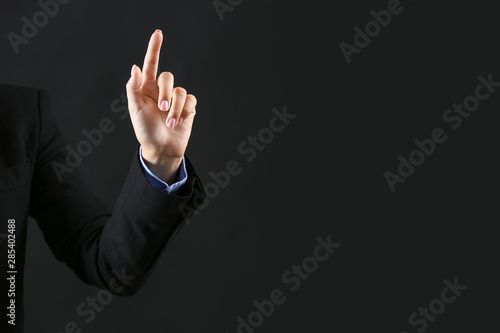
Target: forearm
(144, 220)
(97, 245)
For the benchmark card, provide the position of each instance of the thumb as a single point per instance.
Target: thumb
(134, 92)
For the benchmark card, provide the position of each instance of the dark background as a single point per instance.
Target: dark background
(322, 175)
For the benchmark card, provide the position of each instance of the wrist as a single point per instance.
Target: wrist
(162, 166)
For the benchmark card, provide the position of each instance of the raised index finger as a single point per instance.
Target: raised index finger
(152, 56)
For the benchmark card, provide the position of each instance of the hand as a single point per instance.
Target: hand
(162, 116)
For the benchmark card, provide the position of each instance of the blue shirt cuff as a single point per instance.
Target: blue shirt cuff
(159, 184)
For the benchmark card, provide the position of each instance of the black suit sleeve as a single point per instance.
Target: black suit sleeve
(98, 246)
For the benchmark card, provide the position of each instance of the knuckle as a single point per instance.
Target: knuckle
(166, 76)
(180, 91)
(192, 99)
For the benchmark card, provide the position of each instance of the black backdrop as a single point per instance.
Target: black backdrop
(322, 175)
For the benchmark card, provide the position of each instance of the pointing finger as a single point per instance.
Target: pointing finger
(152, 57)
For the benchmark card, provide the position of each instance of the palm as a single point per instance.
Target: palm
(150, 129)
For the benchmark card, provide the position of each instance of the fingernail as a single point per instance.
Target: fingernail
(171, 123)
(164, 105)
(158, 30)
(181, 119)
(132, 71)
